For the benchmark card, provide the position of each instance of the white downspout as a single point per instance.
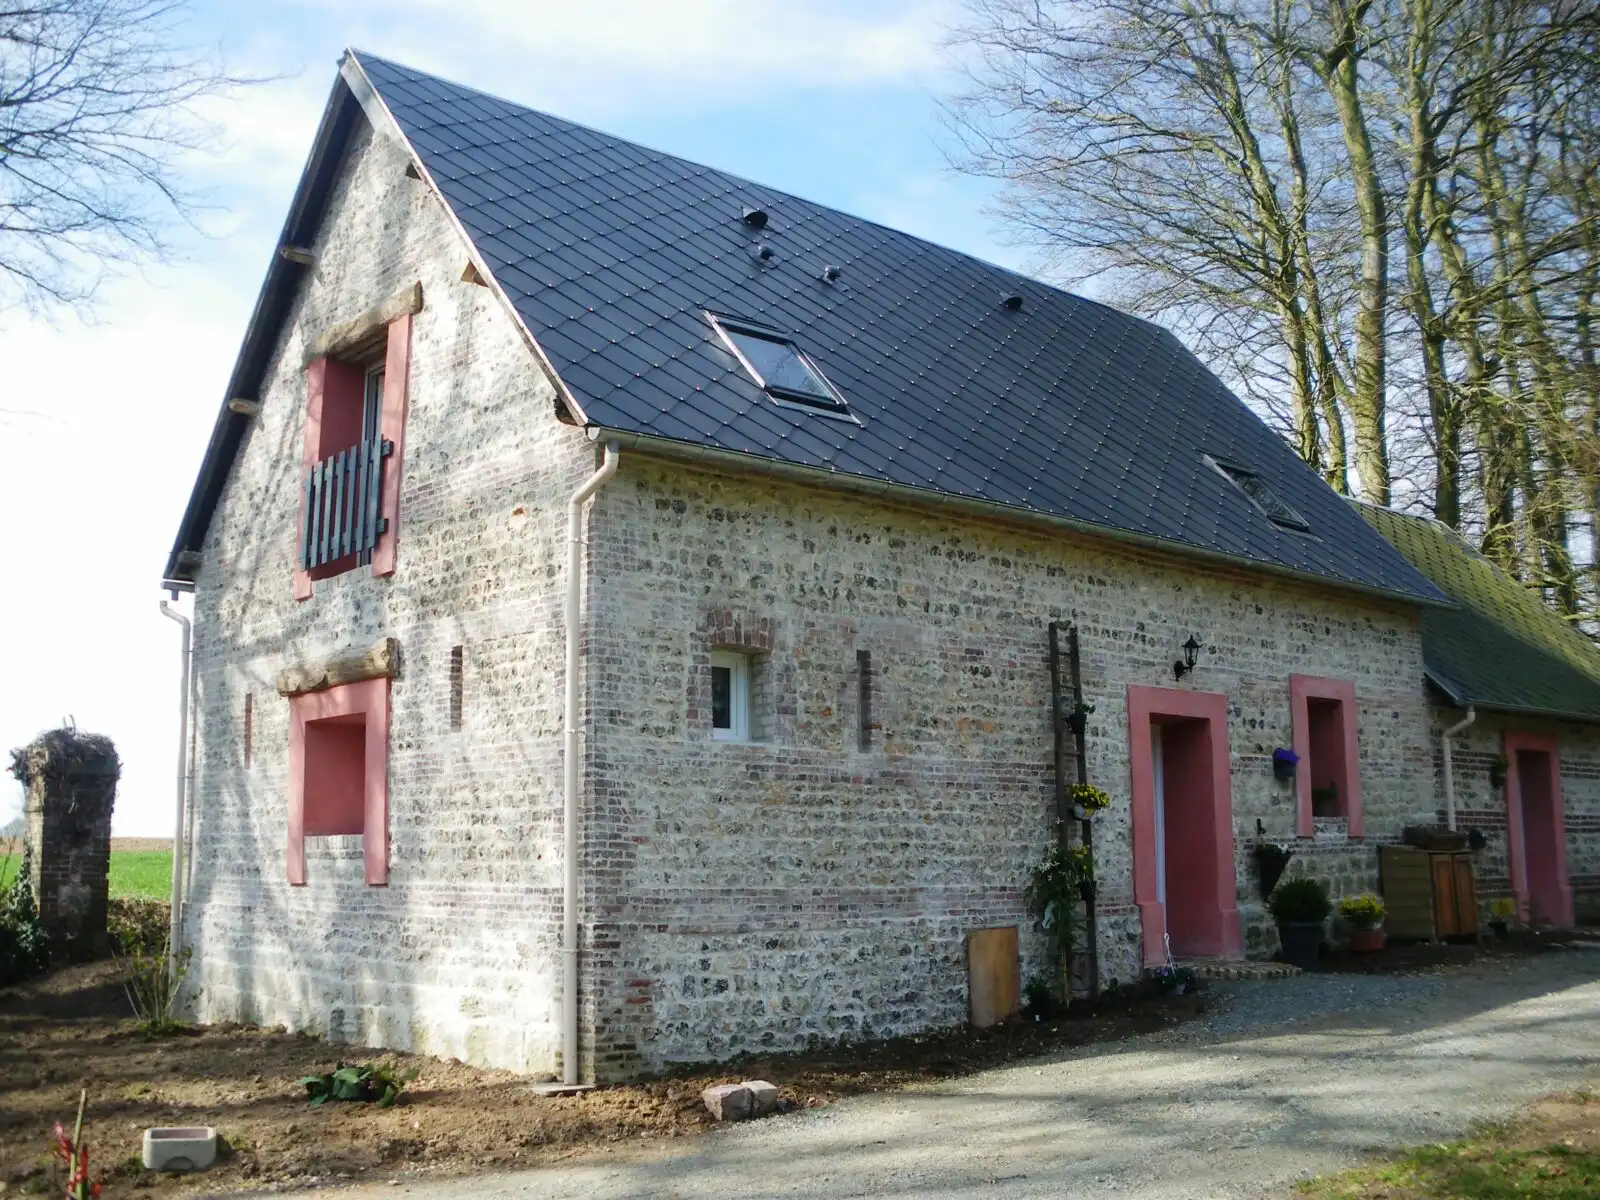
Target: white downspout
(1449, 773)
(175, 933)
(569, 801)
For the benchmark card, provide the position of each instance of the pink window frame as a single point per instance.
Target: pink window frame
(1211, 707)
(1303, 688)
(1516, 840)
(369, 699)
(391, 427)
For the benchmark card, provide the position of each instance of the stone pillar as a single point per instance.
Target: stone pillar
(71, 783)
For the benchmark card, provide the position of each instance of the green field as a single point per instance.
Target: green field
(140, 873)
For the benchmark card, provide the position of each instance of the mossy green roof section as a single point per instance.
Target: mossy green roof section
(1501, 647)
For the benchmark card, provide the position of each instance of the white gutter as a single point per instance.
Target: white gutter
(569, 803)
(1449, 773)
(175, 932)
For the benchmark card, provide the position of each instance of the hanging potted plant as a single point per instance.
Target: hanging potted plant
(1271, 859)
(1498, 770)
(1284, 762)
(1078, 717)
(1362, 915)
(1087, 800)
(1300, 908)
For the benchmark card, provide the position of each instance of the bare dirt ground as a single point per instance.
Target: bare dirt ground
(1287, 1080)
(13, 845)
(70, 1030)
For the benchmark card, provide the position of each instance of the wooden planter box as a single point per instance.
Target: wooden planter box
(1427, 894)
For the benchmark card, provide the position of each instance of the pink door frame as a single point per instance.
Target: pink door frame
(1303, 688)
(1546, 855)
(371, 701)
(1222, 920)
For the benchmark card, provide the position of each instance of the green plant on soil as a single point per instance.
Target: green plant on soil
(371, 1083)
(152, 981)
(1363, 912)
(75, 1154)
(1303, 900)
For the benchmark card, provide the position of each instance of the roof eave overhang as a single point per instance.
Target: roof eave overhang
(926, 498)
(261, 334)
(352, 97)
(1460, 698)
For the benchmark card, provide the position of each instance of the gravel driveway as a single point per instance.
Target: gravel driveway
(1289, 1079)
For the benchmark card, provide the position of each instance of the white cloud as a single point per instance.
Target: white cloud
(686, 54)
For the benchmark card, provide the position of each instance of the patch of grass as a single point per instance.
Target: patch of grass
(142, 874)
(1555, 1155)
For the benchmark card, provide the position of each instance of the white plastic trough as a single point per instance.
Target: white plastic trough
(181, 1148)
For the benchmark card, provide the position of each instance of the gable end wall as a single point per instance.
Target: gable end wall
(457, 954)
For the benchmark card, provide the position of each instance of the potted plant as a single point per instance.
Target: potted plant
(1300, 907)
(1078, 717)
(1087, 800)
(1362, 917)
(1498, 770)
(1271, 859)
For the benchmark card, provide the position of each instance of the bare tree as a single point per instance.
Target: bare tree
(97, 100)
(1243, 170)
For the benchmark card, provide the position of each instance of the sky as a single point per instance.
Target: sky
(103, 422)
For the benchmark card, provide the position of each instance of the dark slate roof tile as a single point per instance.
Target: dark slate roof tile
(611, 252)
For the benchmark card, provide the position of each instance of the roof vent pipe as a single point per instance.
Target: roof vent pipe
(1012, 302)
(756, 218)
(1449, 773)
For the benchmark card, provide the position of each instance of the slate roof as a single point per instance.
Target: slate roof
(1501, 647)
(611, 254)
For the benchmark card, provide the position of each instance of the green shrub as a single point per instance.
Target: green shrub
(1364, 912)
(138, 926)
(24, 948)
(1300, 900)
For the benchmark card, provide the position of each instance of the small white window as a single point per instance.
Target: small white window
(730, 696)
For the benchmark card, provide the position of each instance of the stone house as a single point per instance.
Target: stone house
(1521, 688)
(781, 506)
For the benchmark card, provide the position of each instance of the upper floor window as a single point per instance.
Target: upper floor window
(350, 482)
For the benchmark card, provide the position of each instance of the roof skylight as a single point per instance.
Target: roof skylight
(1261, 495)
(781, 368)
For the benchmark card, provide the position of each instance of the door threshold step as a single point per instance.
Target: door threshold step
(1216, 968)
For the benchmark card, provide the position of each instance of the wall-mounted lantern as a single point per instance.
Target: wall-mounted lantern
(1191, 655)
